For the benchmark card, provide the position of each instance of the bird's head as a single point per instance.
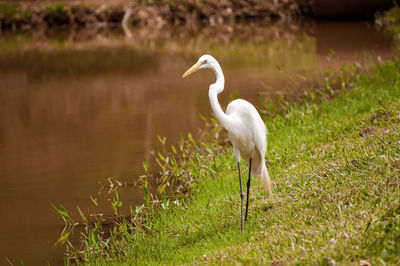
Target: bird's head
(205, 61)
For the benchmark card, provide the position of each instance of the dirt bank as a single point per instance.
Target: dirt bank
(31, 14)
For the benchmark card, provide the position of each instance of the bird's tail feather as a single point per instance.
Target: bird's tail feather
(266, 179)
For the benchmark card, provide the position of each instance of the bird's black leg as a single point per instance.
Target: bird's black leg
(248, 190)
(241, 196)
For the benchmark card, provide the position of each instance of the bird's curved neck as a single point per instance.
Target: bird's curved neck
(213, 92)
(220, 82)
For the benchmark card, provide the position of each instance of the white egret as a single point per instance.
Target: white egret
(245, 127)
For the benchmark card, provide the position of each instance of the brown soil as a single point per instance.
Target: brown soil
(30, 14)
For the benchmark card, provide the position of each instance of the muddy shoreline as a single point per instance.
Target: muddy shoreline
(32, 15)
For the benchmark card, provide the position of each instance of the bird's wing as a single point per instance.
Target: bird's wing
(251, 122)
(260, 134)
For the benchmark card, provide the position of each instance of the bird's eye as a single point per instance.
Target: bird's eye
(205, 61)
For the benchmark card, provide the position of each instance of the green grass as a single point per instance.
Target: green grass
(336, 172)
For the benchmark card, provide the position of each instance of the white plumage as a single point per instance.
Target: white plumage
(245, 127)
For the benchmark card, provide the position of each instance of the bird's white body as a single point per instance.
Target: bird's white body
(248, 135)
(245, 127)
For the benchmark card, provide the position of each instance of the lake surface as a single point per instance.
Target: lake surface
(79, 107)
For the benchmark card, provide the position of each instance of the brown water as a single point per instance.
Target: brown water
(77, 108)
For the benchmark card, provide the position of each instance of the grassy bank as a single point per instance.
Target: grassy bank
(335, 163)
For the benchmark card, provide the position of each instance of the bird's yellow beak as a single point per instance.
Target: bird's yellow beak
(193, 69)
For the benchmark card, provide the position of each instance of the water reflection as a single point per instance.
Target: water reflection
(77, 108)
